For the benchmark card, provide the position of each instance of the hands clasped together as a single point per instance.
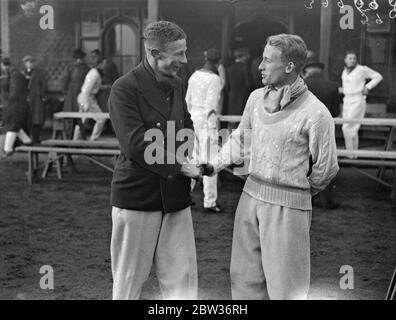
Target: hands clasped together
(197, 171)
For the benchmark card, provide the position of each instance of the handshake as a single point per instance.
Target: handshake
(196, 171)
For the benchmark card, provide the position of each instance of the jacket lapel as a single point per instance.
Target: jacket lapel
(176, 104)
(151, 91)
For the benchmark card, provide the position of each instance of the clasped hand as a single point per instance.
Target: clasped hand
(196, 171)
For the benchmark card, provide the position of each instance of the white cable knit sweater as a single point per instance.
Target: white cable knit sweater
(279, 145)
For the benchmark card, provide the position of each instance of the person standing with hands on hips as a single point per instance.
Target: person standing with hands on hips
(355, 90)
(151, 201)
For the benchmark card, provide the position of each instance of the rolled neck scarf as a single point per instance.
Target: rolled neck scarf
(275, 99)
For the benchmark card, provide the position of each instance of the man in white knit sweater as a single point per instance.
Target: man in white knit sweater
(282, 127)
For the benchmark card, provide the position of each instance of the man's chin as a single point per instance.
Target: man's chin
(264, 82)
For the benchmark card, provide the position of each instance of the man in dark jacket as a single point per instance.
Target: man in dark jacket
(37, 90)
(72, 80)
(16, 113)
(151, 201)
(238, 83)
(327, 92)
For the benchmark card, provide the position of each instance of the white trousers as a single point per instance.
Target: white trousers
(140, 238)
(99, 123)
(206, 147)
(270, 250)
(11, 136)
(354, 107)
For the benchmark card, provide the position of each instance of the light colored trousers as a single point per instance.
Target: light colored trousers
(92, 106)
(11, 136)
(270, 250)
(140, 238)
(354, 107)
(206, 147)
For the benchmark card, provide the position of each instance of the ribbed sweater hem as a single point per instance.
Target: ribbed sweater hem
(284, 196)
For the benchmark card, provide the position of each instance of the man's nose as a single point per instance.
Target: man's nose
(184, 59)
(261, 66)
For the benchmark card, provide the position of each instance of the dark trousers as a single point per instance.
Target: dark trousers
(326, 196)
(36, 130)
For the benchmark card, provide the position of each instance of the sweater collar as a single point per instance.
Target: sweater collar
(275, 99)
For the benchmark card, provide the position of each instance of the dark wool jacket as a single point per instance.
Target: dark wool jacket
(137, 103)
(326, 91)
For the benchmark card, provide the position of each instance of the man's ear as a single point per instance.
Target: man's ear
(155, 53)
(290, 67)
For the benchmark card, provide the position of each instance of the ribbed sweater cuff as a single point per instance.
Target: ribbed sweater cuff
(280, 195)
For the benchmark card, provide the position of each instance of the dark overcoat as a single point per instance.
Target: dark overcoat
(238, 85)
(326, 91)
(16, 109)
(110, 74)
(137, 103)
(72, 80)
(37, 91)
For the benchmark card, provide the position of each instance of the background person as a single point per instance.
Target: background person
(238, 84)
(110, 74)
(16, 112)
(37, 87)
(355, 90)
(203, 98)
(88, 102)
(72, 80)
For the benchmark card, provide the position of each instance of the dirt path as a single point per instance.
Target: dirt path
(67, 224)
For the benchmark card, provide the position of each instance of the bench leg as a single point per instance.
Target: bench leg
(48, 166)
(70, 164)
(393, 193)
(58, 166)
(388, 147)
(36, 161)
(30, 173)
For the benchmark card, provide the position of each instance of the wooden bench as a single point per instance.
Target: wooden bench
(371, 158)
(60, 117)
(56, 153)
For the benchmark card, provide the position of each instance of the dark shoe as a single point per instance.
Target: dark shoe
(215, 209)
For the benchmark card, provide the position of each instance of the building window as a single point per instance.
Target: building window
(90, 23)
(121, 44)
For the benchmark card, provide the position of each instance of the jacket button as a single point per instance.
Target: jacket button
(158, 124)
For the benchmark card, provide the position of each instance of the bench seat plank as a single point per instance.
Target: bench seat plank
(81, 143)
(80, 115)
(38, 149)
(374, 154)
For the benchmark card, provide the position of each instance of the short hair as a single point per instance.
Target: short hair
(212, 55)
(161, 33)
(350, 52)
(96, 51)
(292, 47)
